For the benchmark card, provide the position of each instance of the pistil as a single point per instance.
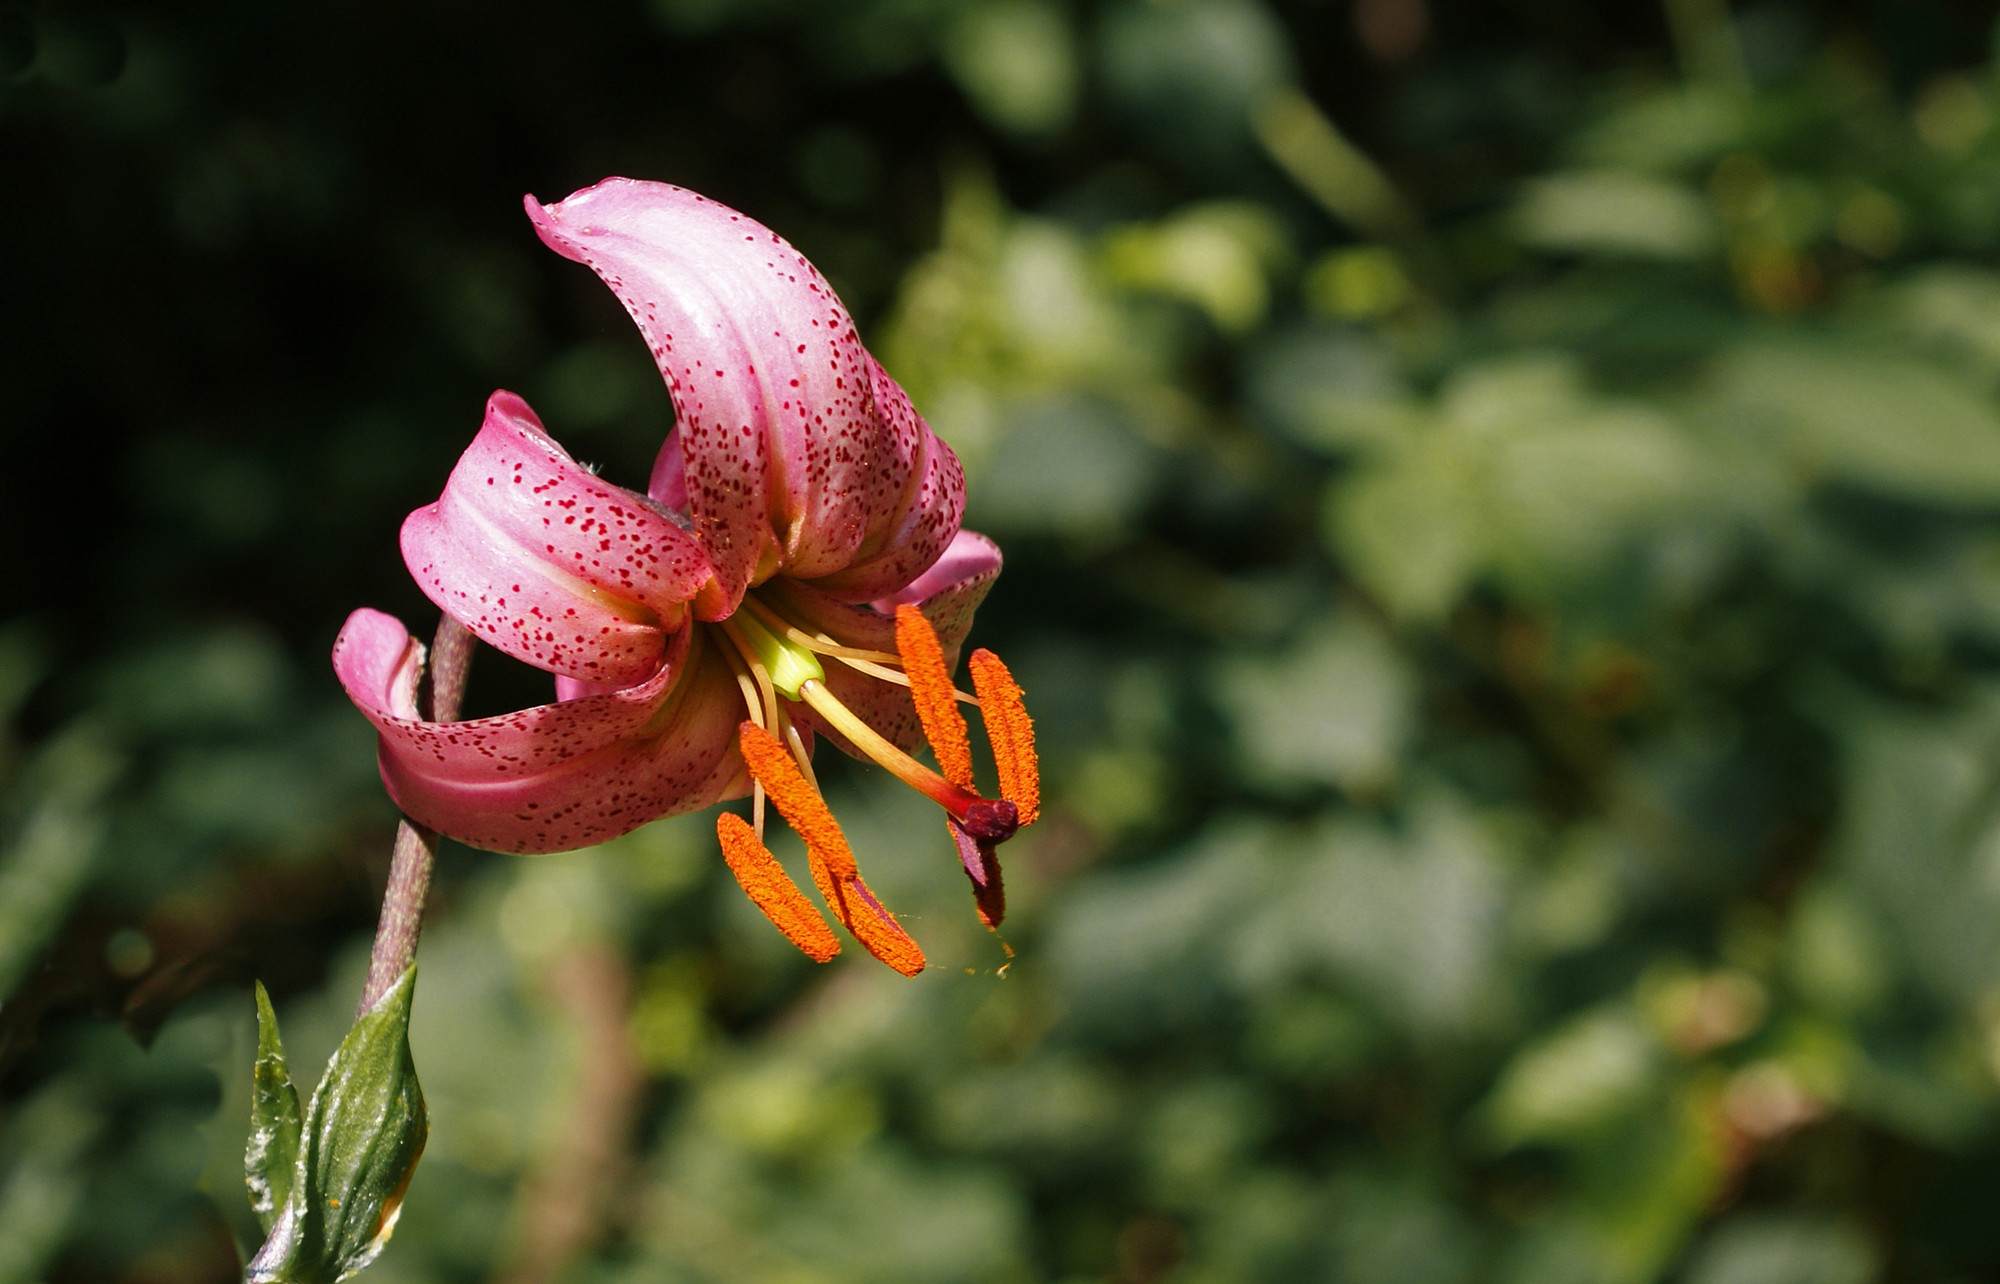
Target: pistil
(958, 802)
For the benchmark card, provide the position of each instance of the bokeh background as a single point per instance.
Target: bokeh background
(1500, 501)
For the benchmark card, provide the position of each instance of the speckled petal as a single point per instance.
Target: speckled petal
(379, 663)
(969, 557)
(557, 776)
(549, 564)
(950, 592)
(921, 520)
(785, 461)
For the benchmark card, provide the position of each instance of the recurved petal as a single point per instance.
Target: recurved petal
(785, 462)
(969, 559)
(379, 663)
(549, 564)
(921, 521)
(947, 594)
(557, 776)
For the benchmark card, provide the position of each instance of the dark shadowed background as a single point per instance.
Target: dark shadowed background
(1502, 506)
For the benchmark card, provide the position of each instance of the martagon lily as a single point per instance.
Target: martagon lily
(796, 570)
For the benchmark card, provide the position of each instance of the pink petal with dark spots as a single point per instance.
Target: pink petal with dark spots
(920, 522)
(557, 776)
(577, 688)
(379, 663)
(548, 563)
(968, 558)
(668, 483)
(785, 460)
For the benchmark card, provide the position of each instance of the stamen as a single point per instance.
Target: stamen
(796, 743)
(982, 866)
(751, 700)
(873, 663)
(818, 642)
(798, 802)
(931, 692)
(786, 665)
(761, 675)
(826, 847)
(887, 674)
(772, 890)
(754, 704)
(958, 802)
(870, 920)
(1011, 733)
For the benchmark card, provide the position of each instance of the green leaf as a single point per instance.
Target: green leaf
(363, 1133)
(1413, 525)
(1571, 1082)
(1616, 212)
(1338, 707)
(273, 1149)
(1892, 425)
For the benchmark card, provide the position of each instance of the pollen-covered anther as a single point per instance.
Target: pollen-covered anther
(931, 692)
(1011, 733)
(833, 867)
(772, 890)
(797, 801)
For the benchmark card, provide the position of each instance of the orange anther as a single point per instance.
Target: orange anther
(932, 693)
(799, 803)
(772, 890)
(869, 919)
(1010, 731)
(832, 861)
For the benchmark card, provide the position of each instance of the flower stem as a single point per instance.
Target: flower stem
(415, 852)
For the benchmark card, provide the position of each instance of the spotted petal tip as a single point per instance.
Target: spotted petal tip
(551, 564)
(795, 453)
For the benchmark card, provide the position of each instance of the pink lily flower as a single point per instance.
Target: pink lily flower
(796, 571)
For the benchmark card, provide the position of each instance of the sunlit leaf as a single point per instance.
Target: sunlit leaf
(1887, 424)
(361, 1137)
(1578, 1078)
(1615, 212)
(273, 1147)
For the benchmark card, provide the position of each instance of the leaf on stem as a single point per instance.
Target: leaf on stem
(357, 1148)
(273, 1149)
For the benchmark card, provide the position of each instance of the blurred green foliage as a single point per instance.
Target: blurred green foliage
(1501, 513)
